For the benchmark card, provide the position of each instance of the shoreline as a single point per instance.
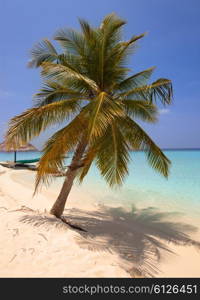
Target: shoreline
(35, 244)
(76, 197)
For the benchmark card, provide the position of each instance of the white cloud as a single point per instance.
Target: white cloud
(163, 111)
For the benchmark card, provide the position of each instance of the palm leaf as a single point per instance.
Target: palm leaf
(32, 122)
(138, 139)
(141, 109)
(102, 111)
(56, 148)
(87, 161)
(123, 49)
(158, 90)
(136, 80)
(110, 36)
(112, 157)
(71, 41)
(60, 72)
(53, 91)
(96, 108)
(89, 33)
(41, 52)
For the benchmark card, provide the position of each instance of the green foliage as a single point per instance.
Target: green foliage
(89, 85)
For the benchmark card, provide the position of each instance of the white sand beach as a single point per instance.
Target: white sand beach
(36, 244)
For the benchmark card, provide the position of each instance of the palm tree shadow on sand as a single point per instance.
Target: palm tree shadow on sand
(141, 238)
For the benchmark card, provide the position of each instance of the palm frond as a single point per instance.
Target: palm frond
(87, 161)
(136, 80)
(53, 91)
(102, 110)
(56, 148)
(110, 29)
(72, 61)
(41, 52)
(112, 157)
(60, 72)
(97, 107)
(138, 139)
(141, 109)
(115, 68)
(32, 122)
(89, 33)
(71, 41)
(111, 22)
(158, 90)
(123, 49)
(162, 91)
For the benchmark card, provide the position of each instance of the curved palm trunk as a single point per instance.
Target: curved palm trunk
(71, 173)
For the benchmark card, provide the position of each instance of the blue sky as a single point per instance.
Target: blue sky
(172, 45)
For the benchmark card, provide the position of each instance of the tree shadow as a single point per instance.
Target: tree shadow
(140, 237)
(42, 220)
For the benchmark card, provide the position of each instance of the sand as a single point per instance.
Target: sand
(35, 244)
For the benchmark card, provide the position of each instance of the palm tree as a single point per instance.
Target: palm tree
(89, 87)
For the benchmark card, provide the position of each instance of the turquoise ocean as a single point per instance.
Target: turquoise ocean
(144, 187)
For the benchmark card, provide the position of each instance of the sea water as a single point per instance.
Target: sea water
(9, 156)
(143, 187)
